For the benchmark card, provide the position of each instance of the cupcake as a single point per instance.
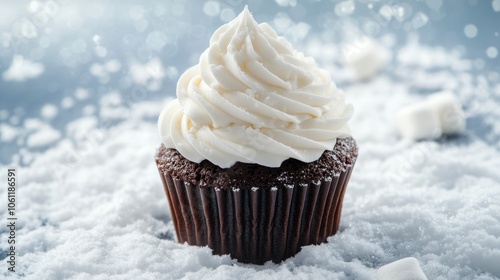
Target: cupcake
(256, 151)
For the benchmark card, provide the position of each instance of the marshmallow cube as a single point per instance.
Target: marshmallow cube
(419, 121)
(450, 113)
(403, 269)
(365, 57)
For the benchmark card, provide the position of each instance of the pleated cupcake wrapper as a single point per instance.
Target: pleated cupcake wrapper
(255, 225)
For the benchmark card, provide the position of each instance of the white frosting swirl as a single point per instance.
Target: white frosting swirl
(254, 99)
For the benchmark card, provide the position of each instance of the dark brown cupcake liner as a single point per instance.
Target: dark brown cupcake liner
(255, 225)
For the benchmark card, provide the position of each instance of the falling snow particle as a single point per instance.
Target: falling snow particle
(227, 14)
(211, 8)
(420, 19)
(156, 40)
(96, 39)
(4, 114)
(434, 4)
(496, 5)
(136, 12)
(7, 132)
(101, 51)
(492, 52)
(470, 30)
(67, 102)
(43, 137)
(344, 8)
(386, 12)
(284, 3)
(23, 69)
(49, 111)
(81, 94)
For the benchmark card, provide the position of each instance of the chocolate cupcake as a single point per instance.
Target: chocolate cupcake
(256, 151)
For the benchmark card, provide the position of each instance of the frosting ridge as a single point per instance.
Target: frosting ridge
(252, 98)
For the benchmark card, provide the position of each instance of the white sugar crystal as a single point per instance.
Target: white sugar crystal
(274, 189)
(254, 189)
(403, 269)
(419, 121)
(450, 113)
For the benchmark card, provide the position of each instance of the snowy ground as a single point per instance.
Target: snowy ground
(91, 204)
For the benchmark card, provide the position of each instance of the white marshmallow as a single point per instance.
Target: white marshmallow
(365, 57)
(449, 111)
(403, 269)
(419, 121)
(439, 114)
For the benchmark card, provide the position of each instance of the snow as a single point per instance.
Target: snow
(23, 69)
(91, 203)
(404, 269)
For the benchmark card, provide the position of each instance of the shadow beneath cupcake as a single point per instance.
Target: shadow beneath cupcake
(169, 232)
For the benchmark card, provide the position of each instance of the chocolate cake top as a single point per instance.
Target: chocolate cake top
(250, 175)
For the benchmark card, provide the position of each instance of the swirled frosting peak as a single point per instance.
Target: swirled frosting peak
(252, 98)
